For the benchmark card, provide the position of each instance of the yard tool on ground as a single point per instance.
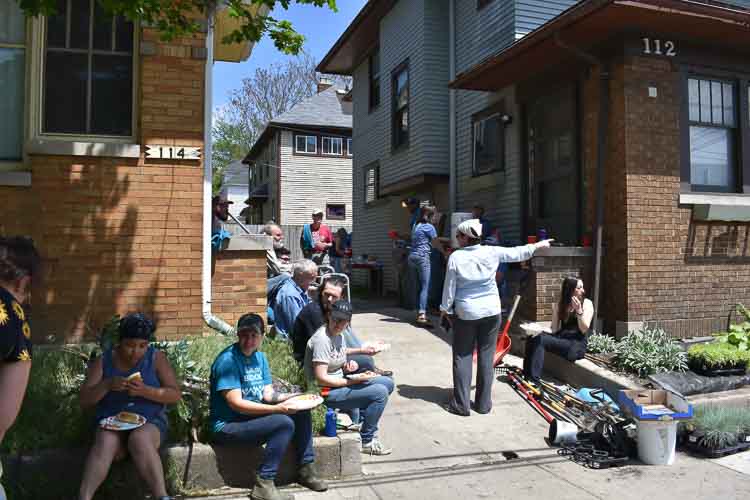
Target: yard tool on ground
(503, 339)
(559, 430)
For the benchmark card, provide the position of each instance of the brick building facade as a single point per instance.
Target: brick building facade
(676, 197)
(118, 232)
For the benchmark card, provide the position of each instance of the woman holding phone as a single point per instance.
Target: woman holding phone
(571, 320)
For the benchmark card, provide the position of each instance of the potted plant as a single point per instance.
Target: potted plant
(717, 431)
(718, 358)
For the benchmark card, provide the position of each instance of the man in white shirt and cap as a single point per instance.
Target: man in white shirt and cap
(471, 305)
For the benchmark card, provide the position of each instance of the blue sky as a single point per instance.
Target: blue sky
(321, 27)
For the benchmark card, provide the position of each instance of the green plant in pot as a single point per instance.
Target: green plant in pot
(716, 357)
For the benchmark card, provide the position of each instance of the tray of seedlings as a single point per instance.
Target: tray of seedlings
(716, 432)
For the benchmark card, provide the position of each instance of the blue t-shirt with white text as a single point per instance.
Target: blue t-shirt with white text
(233, 370)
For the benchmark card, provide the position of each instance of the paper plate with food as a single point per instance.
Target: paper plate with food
(362, 376)
(379, 345)
(304, 401)
(123, 421)
(134, 376)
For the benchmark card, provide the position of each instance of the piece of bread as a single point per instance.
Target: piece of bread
(135, 376)
(130, 418)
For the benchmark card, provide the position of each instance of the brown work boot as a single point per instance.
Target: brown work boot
(308, 477)
(264, 489)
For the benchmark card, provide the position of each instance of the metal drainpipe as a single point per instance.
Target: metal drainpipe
(452, 181)
(601, 156)
(211, 320)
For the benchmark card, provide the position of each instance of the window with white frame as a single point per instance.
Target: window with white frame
(306, 144)
(12, 80)
(88, 71)
(712, 114)
(349, 150)
(488, 144)
(333, 146)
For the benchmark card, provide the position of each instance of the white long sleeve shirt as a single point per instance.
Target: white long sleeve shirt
(470, 290)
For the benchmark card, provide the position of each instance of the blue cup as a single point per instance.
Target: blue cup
(330, 426)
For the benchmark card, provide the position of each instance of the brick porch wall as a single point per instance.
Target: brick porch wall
(683, 275)
(238, 284)
(119, 234)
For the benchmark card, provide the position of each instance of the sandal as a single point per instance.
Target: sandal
(422, 319)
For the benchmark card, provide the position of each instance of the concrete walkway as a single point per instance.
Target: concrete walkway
(441, 456)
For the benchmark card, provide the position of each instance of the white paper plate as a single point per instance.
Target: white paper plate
(114, 424)
(362, 377)
(379, 346)
(535, 328)
(305, 401)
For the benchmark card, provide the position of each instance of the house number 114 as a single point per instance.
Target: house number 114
(659, 47)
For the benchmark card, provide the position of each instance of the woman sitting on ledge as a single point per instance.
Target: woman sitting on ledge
(132, 377)
(326, 364)
(246, 409)
(571, 320)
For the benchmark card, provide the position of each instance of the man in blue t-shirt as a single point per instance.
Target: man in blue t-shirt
(245, 408)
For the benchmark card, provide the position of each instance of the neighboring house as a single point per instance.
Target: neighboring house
(303, 160)
(235, 182)
(406, 141)
(119, 227)
(629, 118)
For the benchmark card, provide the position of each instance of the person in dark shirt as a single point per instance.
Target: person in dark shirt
(19, 261)
(311, 318)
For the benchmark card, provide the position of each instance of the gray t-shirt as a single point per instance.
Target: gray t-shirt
(322, 348)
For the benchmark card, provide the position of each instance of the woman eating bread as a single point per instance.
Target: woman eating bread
(129, 386)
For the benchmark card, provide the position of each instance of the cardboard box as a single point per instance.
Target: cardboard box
(655, 405)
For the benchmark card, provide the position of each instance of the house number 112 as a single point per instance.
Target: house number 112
(659, 47)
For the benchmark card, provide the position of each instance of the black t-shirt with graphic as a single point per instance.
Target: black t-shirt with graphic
(15, 332)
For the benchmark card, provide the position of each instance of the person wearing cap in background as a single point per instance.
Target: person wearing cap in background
(316, 238)
(245, 408)
(292, 297)
(219, 214)
(326, 364)
(477, 212)
(471, 306)
(130, 377)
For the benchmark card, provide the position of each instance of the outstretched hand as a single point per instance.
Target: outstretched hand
(543, 244)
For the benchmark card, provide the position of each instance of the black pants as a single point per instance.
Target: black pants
(569, 345)
(467, 334)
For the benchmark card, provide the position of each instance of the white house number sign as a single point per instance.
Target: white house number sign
(654, 46)
(164, 152)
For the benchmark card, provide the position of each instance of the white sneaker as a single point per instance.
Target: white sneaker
(375, 447)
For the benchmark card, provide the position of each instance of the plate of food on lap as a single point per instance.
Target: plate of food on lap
(361, 377)
(379, 345)
(123, 421)
(304, 401)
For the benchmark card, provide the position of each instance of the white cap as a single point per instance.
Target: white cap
(471, 228)
(317, 211)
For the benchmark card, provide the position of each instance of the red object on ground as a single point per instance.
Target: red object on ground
(533, 402)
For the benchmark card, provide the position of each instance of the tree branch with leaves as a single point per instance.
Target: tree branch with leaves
(177, 18)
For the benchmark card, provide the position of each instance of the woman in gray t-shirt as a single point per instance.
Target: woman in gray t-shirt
(326, 364)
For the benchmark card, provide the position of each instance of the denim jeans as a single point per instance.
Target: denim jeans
(276, 431)
(422, 265)
(569, 345)
(370, 398)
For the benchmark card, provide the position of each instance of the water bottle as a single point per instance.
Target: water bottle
(330, 427)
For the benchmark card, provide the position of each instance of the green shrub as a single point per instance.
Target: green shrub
(52, 418)
(717, 355)
(719, 427)
(648, 351)
(599, 343)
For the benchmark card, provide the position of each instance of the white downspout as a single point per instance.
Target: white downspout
(212, 321)
(452, 181)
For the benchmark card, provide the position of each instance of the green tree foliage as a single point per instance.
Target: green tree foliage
(175, 18)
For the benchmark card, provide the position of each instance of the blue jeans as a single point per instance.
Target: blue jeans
(369, 397)
(422, 265)
(276, 431)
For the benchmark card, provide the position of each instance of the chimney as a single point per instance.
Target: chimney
(324, 84)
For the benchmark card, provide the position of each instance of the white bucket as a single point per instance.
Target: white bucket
(656, 442)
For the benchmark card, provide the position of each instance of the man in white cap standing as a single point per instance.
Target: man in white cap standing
(471, 306)
(316, 238)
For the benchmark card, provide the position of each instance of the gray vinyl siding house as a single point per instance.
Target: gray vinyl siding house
(418, 31)
(288, 179)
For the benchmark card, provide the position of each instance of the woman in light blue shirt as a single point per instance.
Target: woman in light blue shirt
(422, 235)
(471, 305)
